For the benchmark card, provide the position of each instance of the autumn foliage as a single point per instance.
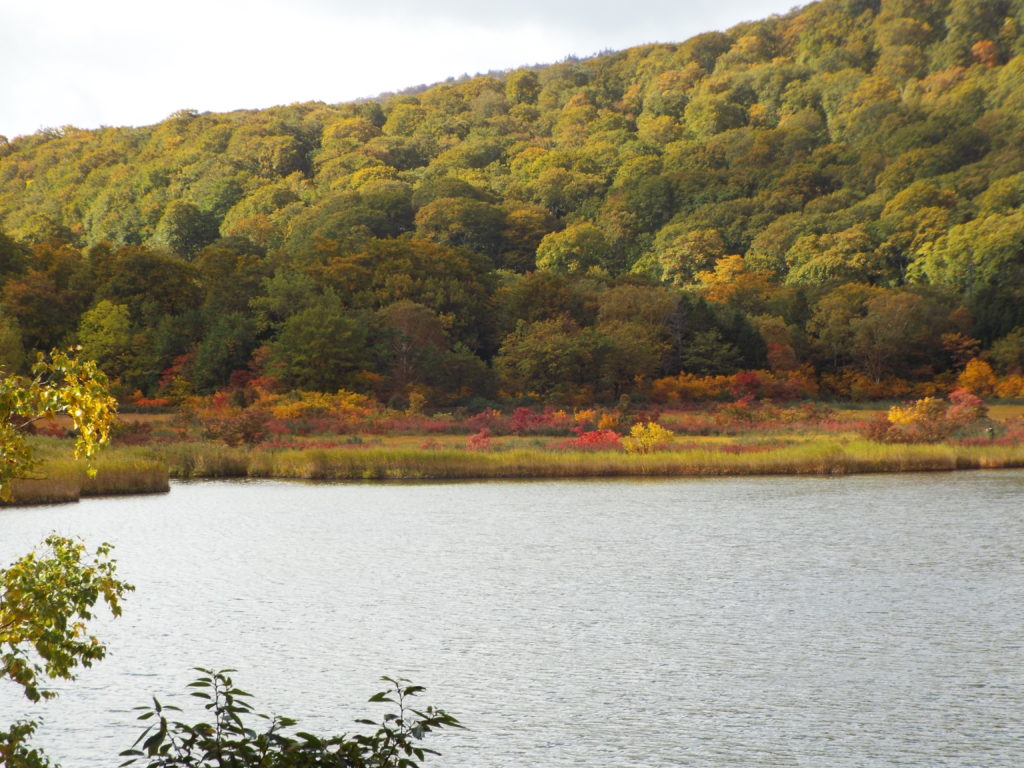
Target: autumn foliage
(929, 419)
(826, 203)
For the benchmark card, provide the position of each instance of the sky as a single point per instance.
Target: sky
(134, 62)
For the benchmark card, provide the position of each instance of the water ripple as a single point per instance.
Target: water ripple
(851, 622)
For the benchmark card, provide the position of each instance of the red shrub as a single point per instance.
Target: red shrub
(490, 420)
(481, 441)
(594, 440)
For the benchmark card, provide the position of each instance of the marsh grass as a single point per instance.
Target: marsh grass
(57, 485)
(807, 457)
(64, 480)
(120, 475)
(145, 469)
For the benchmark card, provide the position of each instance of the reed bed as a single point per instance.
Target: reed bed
(65, 480)
(146, 469)
(57, 486)
(121, 475)
(812, 457)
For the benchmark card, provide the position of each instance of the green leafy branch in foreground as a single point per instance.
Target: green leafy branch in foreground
(45, 601)
(229, 740)
(61, 383)
(46, 598)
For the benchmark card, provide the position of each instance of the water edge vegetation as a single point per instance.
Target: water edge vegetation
(125, 469)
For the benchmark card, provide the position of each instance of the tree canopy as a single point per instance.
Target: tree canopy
(839, 144)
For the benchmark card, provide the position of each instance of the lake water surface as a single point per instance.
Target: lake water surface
(856, 621)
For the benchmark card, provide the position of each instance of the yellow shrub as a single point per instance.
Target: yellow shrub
(313, 405)
(644, 438)
(918, 412)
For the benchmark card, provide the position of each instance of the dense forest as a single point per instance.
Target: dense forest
(835, 192)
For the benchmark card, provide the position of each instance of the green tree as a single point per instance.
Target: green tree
(322, 348)
(288, 291)
(184, 229)
(49, 297)
(541, 295)
(231, 272)
(682, 254)
(13, 257)
(459, 221)
(879, 330)
(152, 285)
(577, 248)
(411, 343)
(897, 330)
(226, 347)
(47, 596)
(709, 353)
(1007, 352)
(525, 227)
(833, 259)
(629, 353)
(106, 335)
(553, 358)
(456, 283)
(522, 87)
(12, 351)
(983, 252)
(46, 599)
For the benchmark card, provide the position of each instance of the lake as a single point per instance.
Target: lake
(852, 621)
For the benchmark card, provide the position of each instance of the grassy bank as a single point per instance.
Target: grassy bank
(61, 479)
(146, 469)
(811, 457)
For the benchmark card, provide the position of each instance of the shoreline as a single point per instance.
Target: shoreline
(148, 469)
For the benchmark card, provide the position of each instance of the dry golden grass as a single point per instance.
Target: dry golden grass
(145, 469)
(812, 456)
(60, 479)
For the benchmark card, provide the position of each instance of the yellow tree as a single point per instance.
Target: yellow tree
(61, 383)
(733, 283)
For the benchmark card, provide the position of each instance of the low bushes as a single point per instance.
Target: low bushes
(929, 419)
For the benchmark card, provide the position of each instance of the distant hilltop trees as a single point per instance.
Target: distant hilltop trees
(838, 188)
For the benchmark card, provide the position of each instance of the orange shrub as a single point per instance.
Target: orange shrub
(977, 377)
(1010, 386)
(688, 387)
(796, 384)
(850, 384)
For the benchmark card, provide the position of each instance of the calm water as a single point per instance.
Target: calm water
(861, 621)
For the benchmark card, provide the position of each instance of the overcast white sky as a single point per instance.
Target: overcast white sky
(133, 62)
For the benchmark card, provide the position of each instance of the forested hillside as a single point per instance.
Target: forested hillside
(836, 191)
